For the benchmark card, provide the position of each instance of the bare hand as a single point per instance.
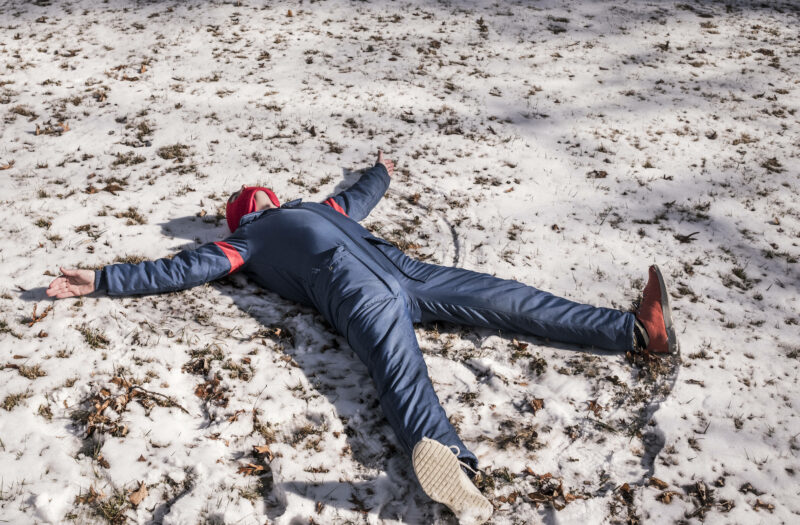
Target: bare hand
(388, 164)
(72, 283)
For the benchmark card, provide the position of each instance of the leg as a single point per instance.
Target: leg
(373, 314)
(471, 298)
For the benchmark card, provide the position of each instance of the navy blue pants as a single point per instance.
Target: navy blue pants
(375, 311)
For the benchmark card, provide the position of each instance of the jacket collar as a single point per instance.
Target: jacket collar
(250, 217)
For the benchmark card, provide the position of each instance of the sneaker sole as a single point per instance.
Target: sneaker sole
(672, 339)
(439, 473)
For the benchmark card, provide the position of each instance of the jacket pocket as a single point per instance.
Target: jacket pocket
(411, 268)
(343, 287)
(326, 265)
(342, 271)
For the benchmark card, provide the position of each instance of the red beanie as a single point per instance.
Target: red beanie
(246, 203)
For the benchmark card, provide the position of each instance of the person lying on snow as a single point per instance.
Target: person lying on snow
(319, 255)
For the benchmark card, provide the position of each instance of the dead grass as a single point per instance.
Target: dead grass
(126, 159)
(24, 111)
(93, 337)
(133, 216)
(178, 152)
(31, 372)
(129, 259)
(111, 509)
(12, 400)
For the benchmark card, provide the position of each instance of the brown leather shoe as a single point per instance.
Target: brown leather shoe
(654, 314)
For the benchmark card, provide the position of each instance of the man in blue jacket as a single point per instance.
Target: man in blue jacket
(319, 255)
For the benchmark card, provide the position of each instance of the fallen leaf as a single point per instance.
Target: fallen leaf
(518, 345)
(112, 188)
(138, 495)
(235, 416)
(685, 238)
(595, 407)
(36, 318)
(658, 483)
(763, 505)
(121, 382)
(91, 497)
(251, 469)
(263, 450)
(701, 491)
(7, 166)
(666, 496)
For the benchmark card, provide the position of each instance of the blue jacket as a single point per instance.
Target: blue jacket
(278, 248)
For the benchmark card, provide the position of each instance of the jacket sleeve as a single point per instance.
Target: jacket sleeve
(188, 268)
(358, 200)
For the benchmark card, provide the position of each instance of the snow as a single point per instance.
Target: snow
(565, 144)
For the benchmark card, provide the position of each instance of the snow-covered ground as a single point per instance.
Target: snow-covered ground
(567, 144)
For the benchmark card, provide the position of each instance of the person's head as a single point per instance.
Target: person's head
(247, 200)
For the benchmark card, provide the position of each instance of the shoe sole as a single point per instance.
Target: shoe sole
(440, 476)
(672, 339)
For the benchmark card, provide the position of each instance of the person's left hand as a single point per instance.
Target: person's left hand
(387, 163)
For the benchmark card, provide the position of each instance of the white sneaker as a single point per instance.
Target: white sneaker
(439, 473)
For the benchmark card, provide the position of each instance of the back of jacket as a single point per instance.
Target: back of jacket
(289, 243)
(278, 248)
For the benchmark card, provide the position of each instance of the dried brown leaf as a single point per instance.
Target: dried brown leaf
(251, 469)
(658, 483)
(138, 495)
(263, 450)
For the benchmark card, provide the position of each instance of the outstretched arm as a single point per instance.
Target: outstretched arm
(358, 200)
(188, 268)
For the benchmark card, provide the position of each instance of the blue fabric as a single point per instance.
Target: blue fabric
(358, 200)
(372, 294)
(471, 298)
(188, 268)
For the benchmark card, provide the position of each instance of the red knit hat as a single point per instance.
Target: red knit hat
(246, 203)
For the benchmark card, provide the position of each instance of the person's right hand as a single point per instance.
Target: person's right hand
(388, 164)
(72, 283)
